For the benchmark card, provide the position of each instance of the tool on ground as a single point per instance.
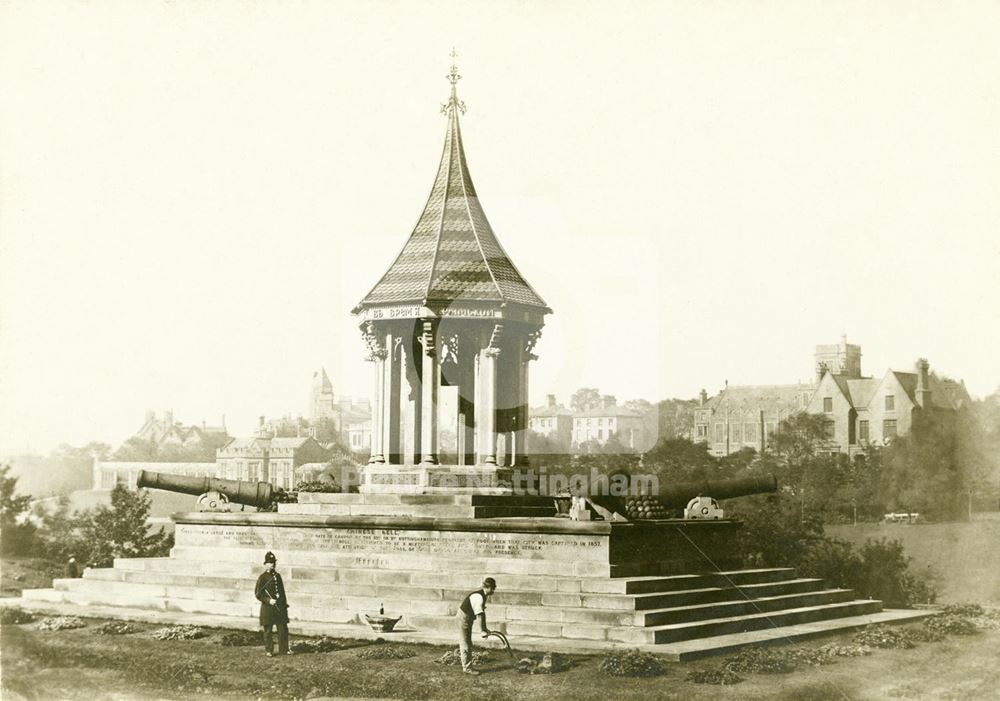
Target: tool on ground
(501, 636)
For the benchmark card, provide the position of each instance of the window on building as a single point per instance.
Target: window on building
(750, 433)
(863, 430)
(700, 431)
(890, 402)
(889, 428)
(720, 433)
(734, 433)
(828, 405)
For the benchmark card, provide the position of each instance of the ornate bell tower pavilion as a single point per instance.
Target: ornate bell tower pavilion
(451, 311)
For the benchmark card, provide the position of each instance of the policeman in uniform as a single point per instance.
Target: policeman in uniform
(270, 592)
(473, 606)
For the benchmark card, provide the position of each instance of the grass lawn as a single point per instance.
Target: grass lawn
(82, 664)
(960, 558)
(19, 573)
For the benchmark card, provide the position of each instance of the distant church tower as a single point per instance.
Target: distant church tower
(323, 402)
(451, 311)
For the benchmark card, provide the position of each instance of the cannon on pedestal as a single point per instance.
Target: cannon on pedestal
(698, 499)
(213, 494)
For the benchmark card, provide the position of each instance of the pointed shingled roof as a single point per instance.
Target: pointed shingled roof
(452, 254)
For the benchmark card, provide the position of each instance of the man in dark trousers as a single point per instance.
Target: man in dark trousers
(270, 592)
(473, 606)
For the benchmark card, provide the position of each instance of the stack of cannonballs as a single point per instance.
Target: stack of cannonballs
(645, 507)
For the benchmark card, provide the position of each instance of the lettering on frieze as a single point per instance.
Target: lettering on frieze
(371, 544)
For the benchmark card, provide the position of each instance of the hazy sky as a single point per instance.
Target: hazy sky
(193, 195)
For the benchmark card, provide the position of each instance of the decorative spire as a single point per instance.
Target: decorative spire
(453, 77)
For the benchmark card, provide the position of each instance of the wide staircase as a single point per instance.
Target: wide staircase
(705, 612)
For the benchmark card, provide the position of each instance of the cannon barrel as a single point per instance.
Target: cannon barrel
(257, 494)
(678, 495)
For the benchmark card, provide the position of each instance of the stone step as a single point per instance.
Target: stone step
(497, 567)
(650, 585)
(708, 595)
(403, 599)
(171, 571)
(684, 650)
(757, 621)
(684, 614)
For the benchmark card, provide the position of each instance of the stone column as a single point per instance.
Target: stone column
(489, 359)
(409, 404)
(391, 448)
(429, 394)
(521, 458)
(376, 355)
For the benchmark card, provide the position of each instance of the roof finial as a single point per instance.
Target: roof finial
(453, 78)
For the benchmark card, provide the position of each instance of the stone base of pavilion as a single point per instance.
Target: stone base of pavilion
(381, 478)
(672, 586)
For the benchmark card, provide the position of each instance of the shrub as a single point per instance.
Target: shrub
(326, 644)
(951, 624)
(241, 638)
(117, 628)
(121, 529)
(883, 637)
(387, 652)
(885, 575)
(966, 609)
(760, 661)
(179, 633)
(12, 615)
(851, 650)
(926, 634)
(631, 663)
(811, 657)
(61, 623)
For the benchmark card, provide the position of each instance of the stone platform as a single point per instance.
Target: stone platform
(560, 582)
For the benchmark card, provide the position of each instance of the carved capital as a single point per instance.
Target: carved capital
(450, 348)
(495, 336)
(529, 343)
(374, 342)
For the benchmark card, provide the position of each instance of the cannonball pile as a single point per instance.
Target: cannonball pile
(645, 507)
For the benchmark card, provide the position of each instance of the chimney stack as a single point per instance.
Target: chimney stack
(821, 369)
(923, 383)
(703, 397)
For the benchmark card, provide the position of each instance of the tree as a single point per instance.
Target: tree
(121, 529)
(676, 460)
(16, 534)
(675, 418)
(136, 449)
(62, 532)
(585, 399)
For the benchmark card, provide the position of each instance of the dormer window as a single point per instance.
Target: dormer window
(890, 402)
